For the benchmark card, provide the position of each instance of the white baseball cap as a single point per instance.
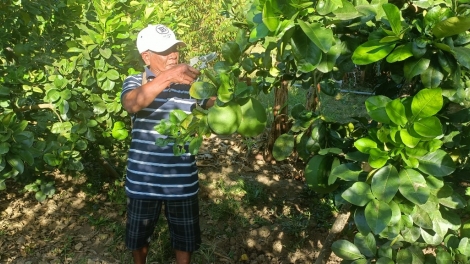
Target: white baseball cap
(157, 38)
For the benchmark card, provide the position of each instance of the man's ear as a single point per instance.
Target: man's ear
(146, 57)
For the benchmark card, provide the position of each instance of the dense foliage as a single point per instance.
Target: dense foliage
(63, 63)
(392, 168)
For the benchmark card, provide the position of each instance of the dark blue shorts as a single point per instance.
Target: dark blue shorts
(182, 217)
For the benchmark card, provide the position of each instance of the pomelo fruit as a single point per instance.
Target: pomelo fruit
(253, 117)
(224, 120)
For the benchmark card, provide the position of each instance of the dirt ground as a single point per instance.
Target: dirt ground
(274, 219)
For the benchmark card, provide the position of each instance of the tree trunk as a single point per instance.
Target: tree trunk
(313, 98)
(280, 124)
(336, 229)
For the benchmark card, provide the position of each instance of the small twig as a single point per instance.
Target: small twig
(223, 256)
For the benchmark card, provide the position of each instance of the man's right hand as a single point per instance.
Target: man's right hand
(181, 73)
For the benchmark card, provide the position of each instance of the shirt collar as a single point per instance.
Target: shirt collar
(150, 74)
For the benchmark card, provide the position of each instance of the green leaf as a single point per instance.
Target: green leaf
(429, 127)
(322, 37)
(51, 159)
(53, 95)
(437, 163)
(385, 183)
(106, 53)
(433, 239)
(376, 108)
(4, 148)
(396, 112)
(306, 53)
(415, 67)
(377, 158)
(366, 244)
(15, 162)
(283, 146)
(231, 52)
(346, 12)
(407, 139)
(259, 32)
(119, 131)
(364, 145)
(40, 196)
(371, 51)
(394, 17)
(454, 201)
(358, 194)
(195, 145)
(451, 26)
(384, 260)
(400, 53)
(378, 215)
(346, 250)
(462, 55)
(360, 221)
(427, 102)
(328, 61)
(270, 19)
(177, 116)
(421, 217)
(432, 76)
(325, 7)
(202, 90)
(112, 74)
(443, 257)
(413, 186)
(410, 234)
(464, 246)
(346, 171)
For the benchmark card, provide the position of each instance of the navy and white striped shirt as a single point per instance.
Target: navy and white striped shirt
(154, 172)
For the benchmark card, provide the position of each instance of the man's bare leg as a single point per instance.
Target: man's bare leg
(183, 257)
(140, 255)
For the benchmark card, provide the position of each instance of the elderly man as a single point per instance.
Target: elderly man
(155, 177)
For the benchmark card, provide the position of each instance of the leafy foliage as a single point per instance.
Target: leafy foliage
(63, 64)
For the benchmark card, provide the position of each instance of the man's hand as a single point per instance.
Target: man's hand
(181, 73)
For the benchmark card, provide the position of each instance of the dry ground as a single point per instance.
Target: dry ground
(251, 212)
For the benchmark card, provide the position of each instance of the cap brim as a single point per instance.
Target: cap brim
(166, 46)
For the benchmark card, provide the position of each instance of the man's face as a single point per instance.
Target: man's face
(161, 61)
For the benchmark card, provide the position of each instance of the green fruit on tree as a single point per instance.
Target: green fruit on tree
(224, 120)
(253, 117)
(317, 172)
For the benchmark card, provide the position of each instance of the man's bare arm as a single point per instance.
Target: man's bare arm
(141, 97)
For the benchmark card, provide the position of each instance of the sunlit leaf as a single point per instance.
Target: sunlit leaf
(413, 186)
(429, 127)
(371, 51)
(396, 112)
(427, 102)
(358, 194)
(322, 37)
(385, 183)
(269, 17)
(437, 163)
(366, 244)
(202, 90)
(394, 17)
(451, 26)
(346, 250)
(378, 215)
(415, 67)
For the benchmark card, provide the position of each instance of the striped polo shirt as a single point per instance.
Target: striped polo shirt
(154, 172)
